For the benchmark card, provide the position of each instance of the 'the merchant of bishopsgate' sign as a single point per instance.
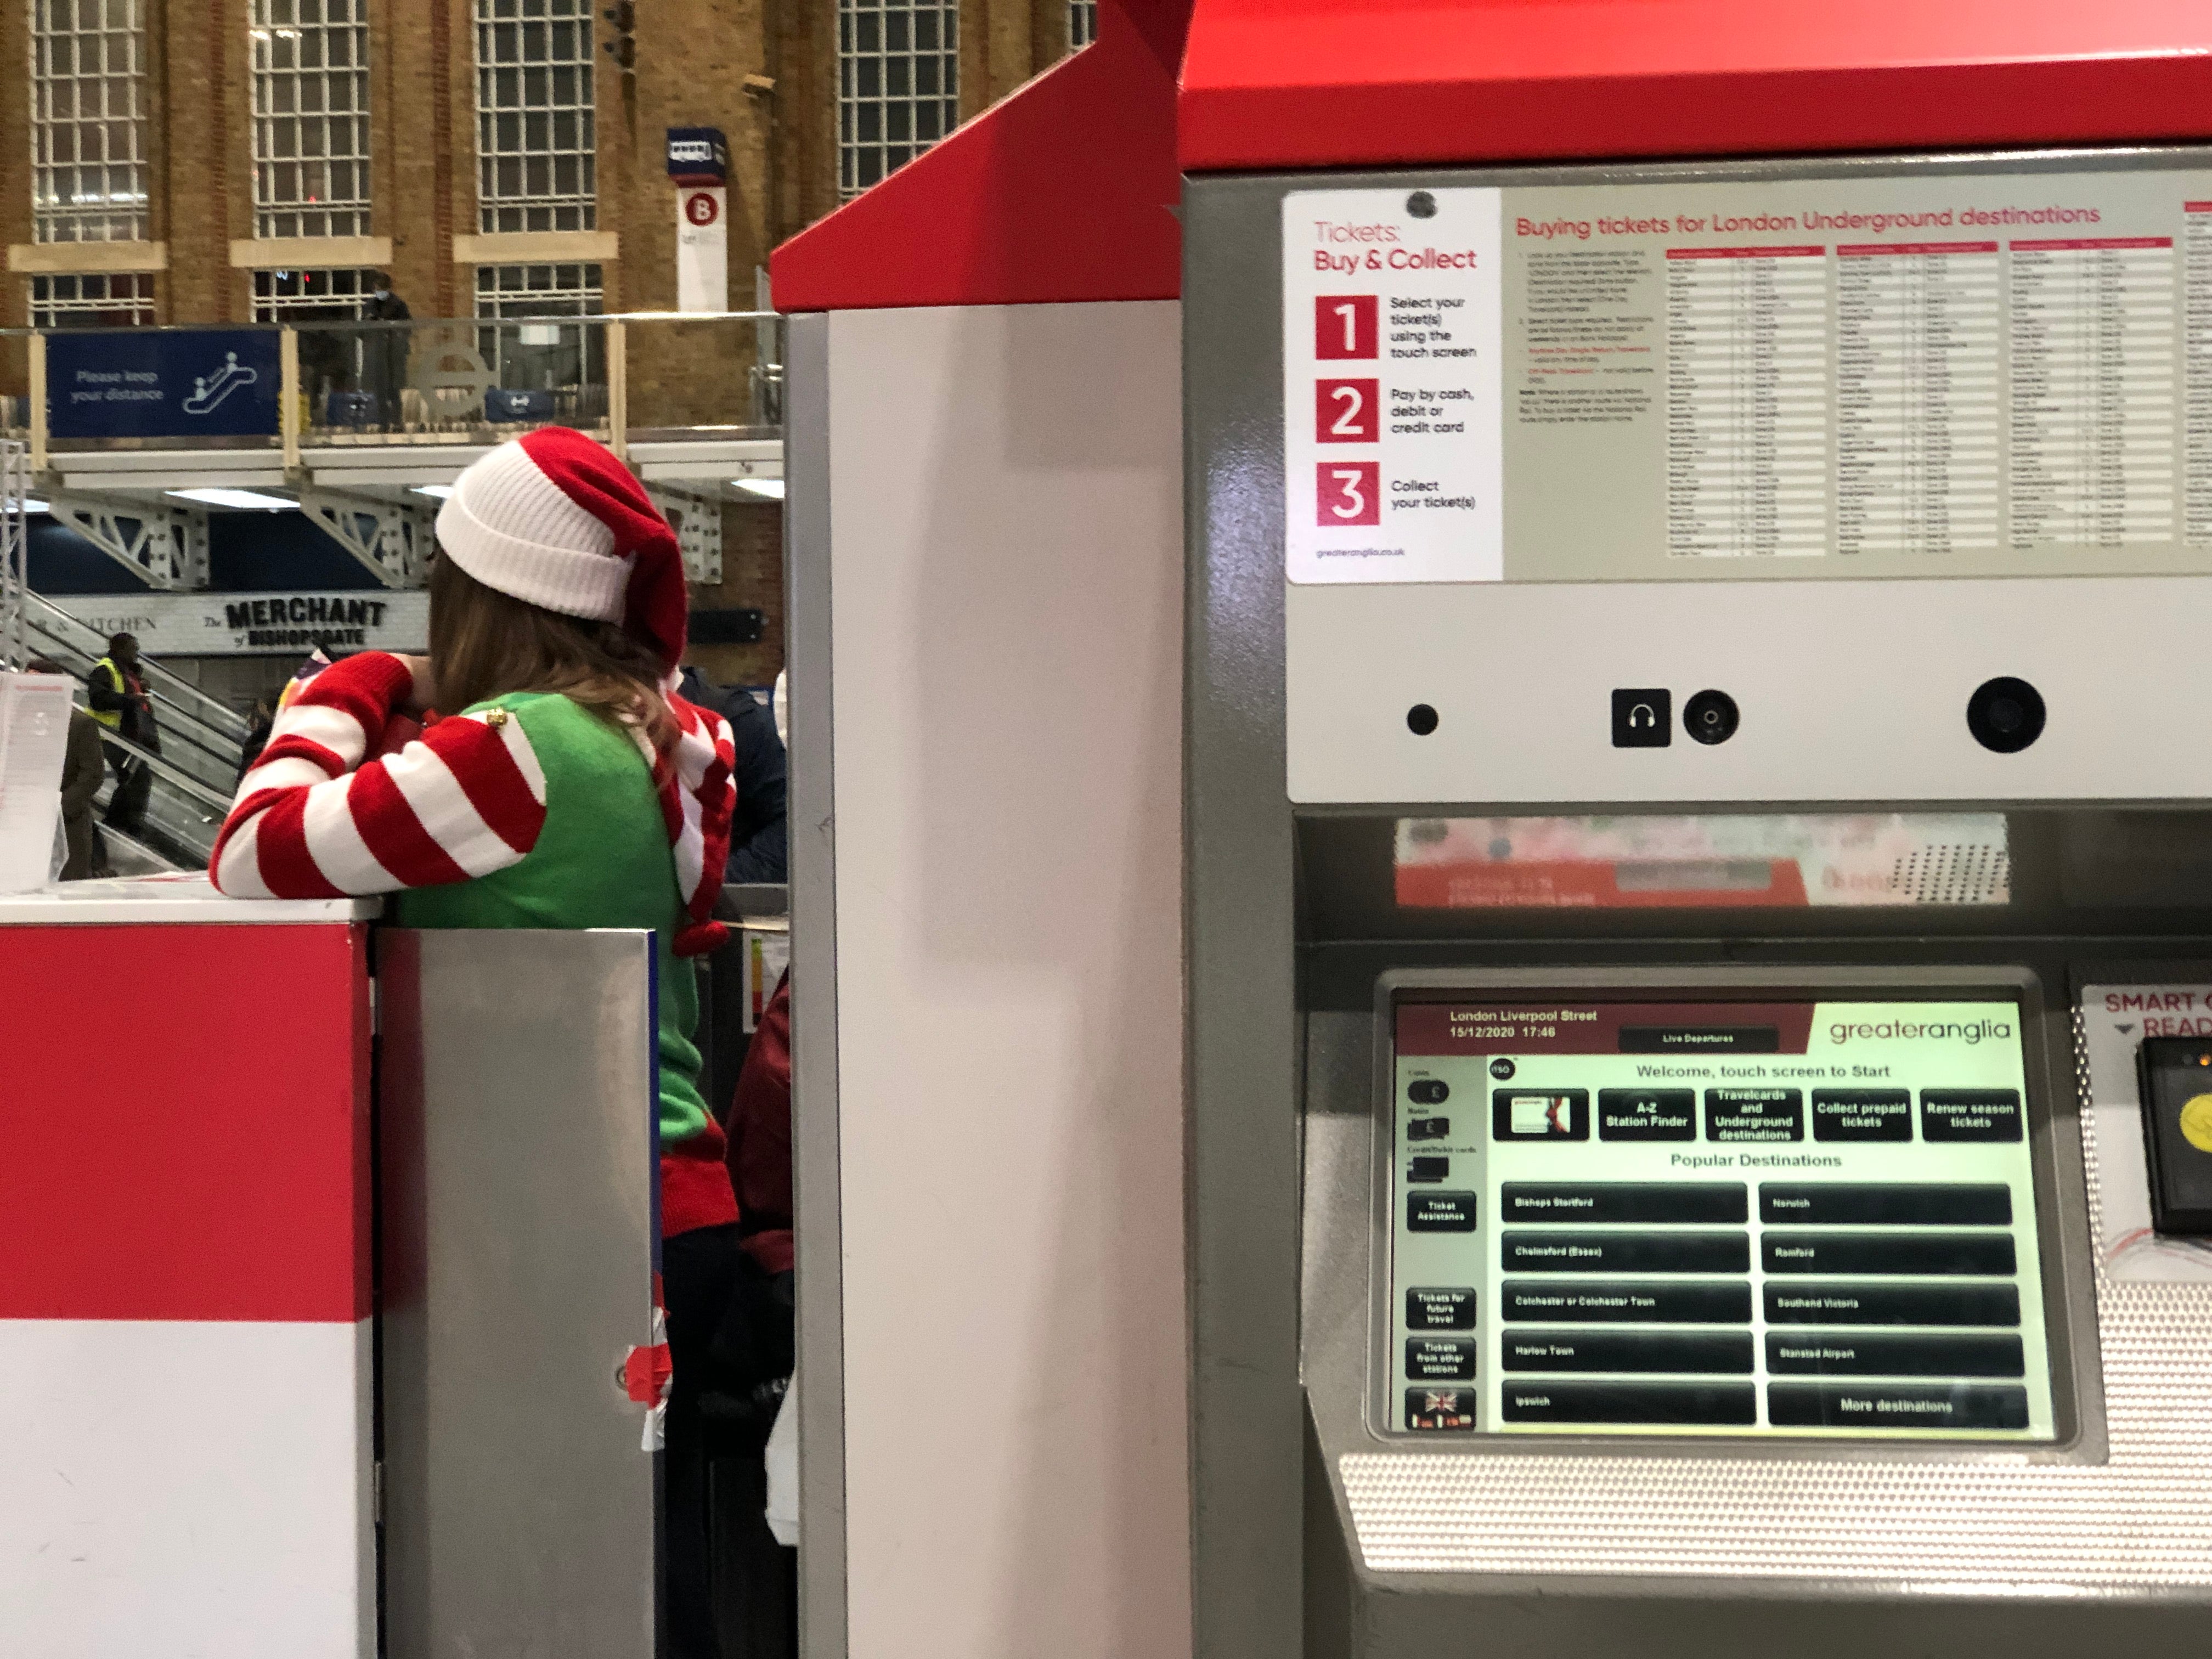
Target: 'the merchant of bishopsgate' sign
(235, 624)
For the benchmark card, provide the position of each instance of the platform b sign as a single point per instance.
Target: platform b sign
(698, 162)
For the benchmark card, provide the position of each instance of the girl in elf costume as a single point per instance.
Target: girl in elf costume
(565, 788)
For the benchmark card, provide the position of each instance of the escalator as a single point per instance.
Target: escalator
(195, 769)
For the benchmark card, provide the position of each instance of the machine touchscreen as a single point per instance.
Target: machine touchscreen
(1801, 1219)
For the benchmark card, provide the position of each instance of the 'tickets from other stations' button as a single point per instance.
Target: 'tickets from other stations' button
(1439, 1359)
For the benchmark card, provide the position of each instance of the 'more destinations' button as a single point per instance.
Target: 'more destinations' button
(1895, 1406)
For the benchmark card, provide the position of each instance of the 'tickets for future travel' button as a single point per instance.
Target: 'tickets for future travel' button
(1629, 1402)
(1624, 1253)
(1990, 1254)
(1448, 1411)
(1894, 1405)
(1832, 1203)
(1441, 1211)
(1892, 1304)
(1622, 1301)
(1722, 1351)
(1754, 1115)
(1862, 1115)
(1438, 1359)
(1439, 1307)
(1970, 1115)
(1623, 1200)
(1861, 1353)
(1647, 1115)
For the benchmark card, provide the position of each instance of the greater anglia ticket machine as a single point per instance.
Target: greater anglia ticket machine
(1701, 919)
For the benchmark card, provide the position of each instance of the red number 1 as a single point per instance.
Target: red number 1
(1344, 325)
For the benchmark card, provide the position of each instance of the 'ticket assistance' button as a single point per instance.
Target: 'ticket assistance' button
(1894, 1405)
(1441, 1211)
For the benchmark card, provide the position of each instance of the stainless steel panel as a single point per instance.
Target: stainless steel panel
(517, 1164)
(813, 906)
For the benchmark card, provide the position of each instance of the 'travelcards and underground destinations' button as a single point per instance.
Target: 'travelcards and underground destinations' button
(1894, 1405)
(1891, 1305)
(1862, 1115)
(1440, 1211)
(1894, 1205)
(1447, 1410)
(1440, 1308)
(1680, 1351)
(1970, 1115)
(1439, 1359)
(1629, 1402)
(1624, 1253)
(1858, 1353)
(1754, 1115)
(1623, 1200)
(1647, 1115)
(1621, 1302)
(1889, 1253)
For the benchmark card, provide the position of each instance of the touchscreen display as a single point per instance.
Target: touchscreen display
(1799, 1219)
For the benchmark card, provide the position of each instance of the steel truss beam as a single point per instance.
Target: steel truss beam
(392, 540)
(697, 521)
(165, 547)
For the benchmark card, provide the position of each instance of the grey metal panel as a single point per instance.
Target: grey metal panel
(1242, 1216)
(517, 1161)
(813, 906)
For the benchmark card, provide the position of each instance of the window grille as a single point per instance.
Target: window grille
(93, 301)
(539, 290)
(324, 295)
(1082, 24)
(310, 118)
(87, 121)
(535, 138)
(898, 84)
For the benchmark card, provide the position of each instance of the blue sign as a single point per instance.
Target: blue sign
(180, 383)
(697, 156)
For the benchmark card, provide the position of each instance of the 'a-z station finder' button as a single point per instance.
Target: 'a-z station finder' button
(1754, 1115)
(1862, 1115)
(1440, 1308)
(1731, 1403)
(1647, 1115)
(1440, 1211)
(1894, 1405)
(1988, 1254)
(1969, 1114)
(1625, 1253)
(1622, 1200)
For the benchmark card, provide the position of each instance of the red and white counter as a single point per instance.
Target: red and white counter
(184, 1274)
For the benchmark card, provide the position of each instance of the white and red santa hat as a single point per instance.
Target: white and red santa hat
(554, 518)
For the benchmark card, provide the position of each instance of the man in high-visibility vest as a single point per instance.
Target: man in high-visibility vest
(117, 692)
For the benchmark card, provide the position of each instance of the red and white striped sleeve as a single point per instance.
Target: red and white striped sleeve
(317, 818)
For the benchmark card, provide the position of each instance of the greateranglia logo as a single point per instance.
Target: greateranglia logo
(1907, 1030)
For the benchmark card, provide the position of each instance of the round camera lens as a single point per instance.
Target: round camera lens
(2005, 715)
(1420, 719)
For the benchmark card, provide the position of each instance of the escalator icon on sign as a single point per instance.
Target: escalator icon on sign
(210, 391)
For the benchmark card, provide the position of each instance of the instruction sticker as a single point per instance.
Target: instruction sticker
(1392, 433)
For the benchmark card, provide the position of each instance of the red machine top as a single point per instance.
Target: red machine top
(1321, 83)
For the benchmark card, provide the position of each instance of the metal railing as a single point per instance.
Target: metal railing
(622, 376)
(15, 549)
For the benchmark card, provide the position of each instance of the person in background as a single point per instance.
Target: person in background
(758, 840)
(755, 1341)
(565, 791)
(82, 769)
(117, 690)
(255, 739)
(384, 352)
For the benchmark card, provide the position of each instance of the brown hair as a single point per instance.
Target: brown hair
(484, 644)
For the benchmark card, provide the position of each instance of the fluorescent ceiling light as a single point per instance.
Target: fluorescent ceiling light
(438, 492)
(244, 500)
(771, 488)
(33, 504)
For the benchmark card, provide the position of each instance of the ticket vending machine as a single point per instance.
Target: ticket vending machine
(1697, 797)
